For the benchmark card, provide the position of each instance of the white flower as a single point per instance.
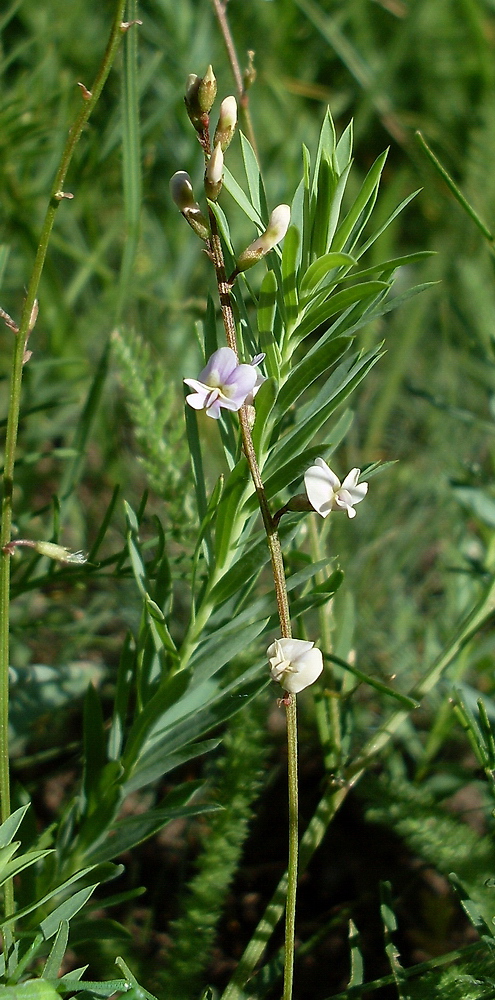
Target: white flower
(326, 492)
(278, 225)
(294, 663)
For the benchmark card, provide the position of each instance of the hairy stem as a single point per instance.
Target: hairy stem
(220, 9)
(57, 194)
(282, 606)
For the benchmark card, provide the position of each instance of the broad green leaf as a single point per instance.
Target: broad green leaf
(366, 194)
(204, 707)
(6, 853)
(320, 268)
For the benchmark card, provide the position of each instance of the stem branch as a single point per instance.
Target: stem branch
(56, 196)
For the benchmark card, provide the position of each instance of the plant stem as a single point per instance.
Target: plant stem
(278, 571)
(220, 10)
(56, 196)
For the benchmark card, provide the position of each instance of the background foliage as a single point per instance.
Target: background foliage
(417, 557)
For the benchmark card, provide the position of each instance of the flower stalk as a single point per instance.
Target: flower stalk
(57, 194)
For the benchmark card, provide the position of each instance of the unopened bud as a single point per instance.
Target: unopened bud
(227, 122)
(214, 174)
(277, 227)
(60, 553)
(207, 90)
(182, 193)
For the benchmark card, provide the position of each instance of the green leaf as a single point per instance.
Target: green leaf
(9, 828)
(309, 369)
(289, 274)
(94, 747)
(320, 268)
(253, 176)
(155, 764)
(137, 563)
(367, 193)
(57, 953)
(34, 989)
(133, 830)
(21, 863)
(327, 184)
(125, 678)
(48, 896)
(237, 484)
(264, 402)
(315, 317)
(66, 910)
(335, 390)
(266, 320)
(230, 184)
(168, 694)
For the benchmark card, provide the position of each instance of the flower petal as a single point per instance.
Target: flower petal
(221, 364)
(358, 492)
(321, 485)
(351, 479)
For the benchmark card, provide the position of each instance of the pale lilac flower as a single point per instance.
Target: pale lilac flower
(223, 383)
(294, 663)
(326, 492)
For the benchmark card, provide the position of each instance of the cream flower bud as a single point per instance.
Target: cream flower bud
(227, 122)
(294, 663)
(277, 227)
(214, 173)
(182, 193)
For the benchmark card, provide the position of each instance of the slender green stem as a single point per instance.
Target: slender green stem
(57, 194)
